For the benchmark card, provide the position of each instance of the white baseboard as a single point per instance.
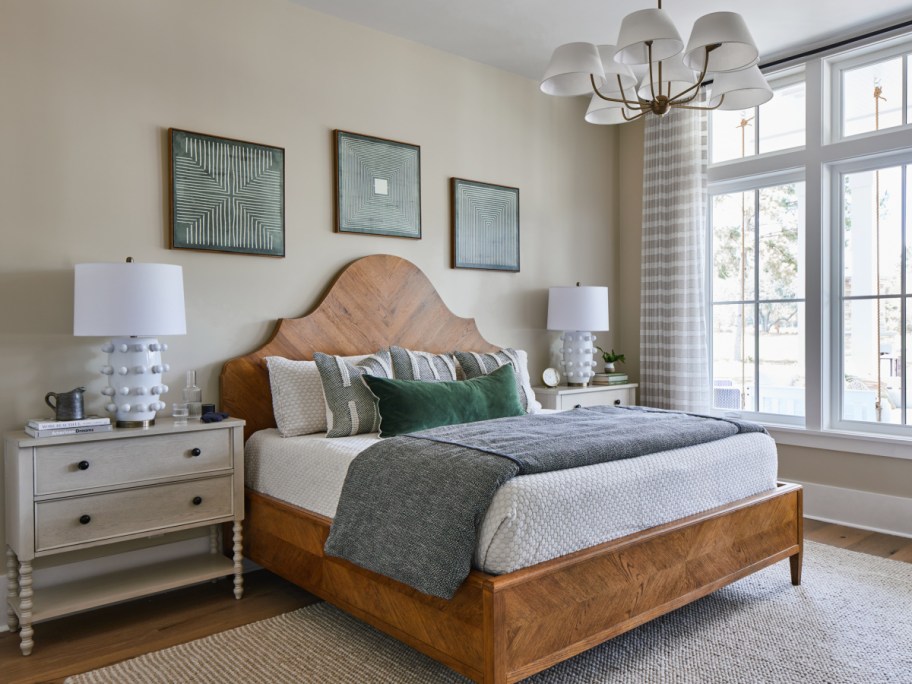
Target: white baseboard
(855, 508)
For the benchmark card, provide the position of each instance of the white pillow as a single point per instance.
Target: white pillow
(297, 395)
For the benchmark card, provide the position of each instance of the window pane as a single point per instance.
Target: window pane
(868, 360)
(782, 359)
(733, 356)
(733, 246)
(781, 120)
(781, 228)
(732, 134)
(872, 205)
(872, 97)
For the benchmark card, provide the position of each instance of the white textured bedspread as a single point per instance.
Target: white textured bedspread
(534, 518)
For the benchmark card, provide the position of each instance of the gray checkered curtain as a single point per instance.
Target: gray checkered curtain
(674, 367)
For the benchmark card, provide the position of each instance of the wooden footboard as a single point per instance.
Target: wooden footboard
(503, 628)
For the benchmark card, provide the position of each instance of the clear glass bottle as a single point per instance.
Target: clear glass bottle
(193, 395)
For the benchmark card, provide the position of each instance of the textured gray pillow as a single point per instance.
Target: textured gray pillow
(420, 365)
(350, 406)
(297, 396)
(475, 364)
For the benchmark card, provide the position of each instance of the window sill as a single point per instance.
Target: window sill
(889, 446)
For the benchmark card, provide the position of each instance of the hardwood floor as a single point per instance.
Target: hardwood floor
(101, 637)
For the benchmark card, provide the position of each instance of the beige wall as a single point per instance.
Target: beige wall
(88, 90)
(834, 468)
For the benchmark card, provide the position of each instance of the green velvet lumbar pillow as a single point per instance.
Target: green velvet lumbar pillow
(411, 405)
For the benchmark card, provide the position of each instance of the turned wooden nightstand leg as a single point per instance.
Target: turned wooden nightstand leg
(12, 589)
(238, 566)
(213, 539)
(25, 607)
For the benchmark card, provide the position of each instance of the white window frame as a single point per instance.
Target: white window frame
(822, 159)
(837, 171)
(860, 58)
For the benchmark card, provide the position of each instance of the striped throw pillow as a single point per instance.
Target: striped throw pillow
(475, 364)
(350, 406)
(420, 365)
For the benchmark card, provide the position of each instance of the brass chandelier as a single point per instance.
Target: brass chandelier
(720, 44)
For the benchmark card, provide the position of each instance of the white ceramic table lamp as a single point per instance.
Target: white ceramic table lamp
(577, 311)
(133, 303)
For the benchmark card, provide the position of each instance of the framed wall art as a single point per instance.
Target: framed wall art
(377, 186)
(485, 225)
(227, 195)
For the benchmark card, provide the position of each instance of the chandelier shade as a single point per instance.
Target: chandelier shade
(740, 89)
(736, 48)
(645, 28)
(720, 47)
(605, 113)
(569, 71)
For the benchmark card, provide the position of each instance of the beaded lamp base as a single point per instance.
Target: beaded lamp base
(577, 363)
(134, 371)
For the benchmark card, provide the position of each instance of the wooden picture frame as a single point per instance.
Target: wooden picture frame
(227, 195)
(377, 186)
(485, 220)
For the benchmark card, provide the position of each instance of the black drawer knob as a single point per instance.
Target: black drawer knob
(85, 519)
(83, 465)
(195, 451)
(617, 402)
(197, 500)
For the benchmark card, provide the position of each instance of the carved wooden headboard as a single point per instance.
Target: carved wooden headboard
(374, 302)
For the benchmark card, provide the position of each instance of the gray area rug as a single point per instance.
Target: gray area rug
(850, 622)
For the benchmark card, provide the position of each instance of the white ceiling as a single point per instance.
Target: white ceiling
(519, 35)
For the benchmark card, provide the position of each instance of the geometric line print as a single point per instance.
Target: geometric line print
(486, 225)
(227, 195)
(379, 186)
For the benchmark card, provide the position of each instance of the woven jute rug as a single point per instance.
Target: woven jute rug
(850, 622)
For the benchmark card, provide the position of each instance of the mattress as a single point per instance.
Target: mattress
(534, 518)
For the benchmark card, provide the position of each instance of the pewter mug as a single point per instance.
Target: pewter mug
(68, 406)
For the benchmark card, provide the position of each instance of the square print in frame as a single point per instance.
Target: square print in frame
(485, 225)
(227, 195)
(378, 186)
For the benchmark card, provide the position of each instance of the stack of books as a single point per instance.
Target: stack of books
(39, 427)
(609, 378)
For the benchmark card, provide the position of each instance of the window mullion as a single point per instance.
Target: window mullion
(757, 299)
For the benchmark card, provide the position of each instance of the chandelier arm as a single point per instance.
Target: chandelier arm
(627, 103)
(700, 107)
(652, 87)
(634, 118)
(676, 100)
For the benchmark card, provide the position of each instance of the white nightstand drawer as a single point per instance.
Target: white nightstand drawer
(102, 517)
(565, 398)
(84, 465)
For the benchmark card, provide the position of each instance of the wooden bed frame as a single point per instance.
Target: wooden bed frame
(497, 628)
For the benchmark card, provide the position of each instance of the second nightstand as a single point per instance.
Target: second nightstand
(563, 397)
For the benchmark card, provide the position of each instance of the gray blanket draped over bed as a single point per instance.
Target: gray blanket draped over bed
(411, 505)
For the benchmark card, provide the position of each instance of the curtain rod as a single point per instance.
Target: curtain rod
(838, 44)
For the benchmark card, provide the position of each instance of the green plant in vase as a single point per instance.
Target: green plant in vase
(610, 358)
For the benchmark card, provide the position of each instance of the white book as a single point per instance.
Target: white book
(61, 432)
(43, 424)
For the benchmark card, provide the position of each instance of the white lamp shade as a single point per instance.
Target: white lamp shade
(606, 113)
(742, 89)
(614, 70)
(737, 49)
(578, 308)
(128, 299)
(639, 27)
(568, 72)
(673, 72)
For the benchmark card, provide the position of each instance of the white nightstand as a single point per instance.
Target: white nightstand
(563, 397)
(66, 494)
